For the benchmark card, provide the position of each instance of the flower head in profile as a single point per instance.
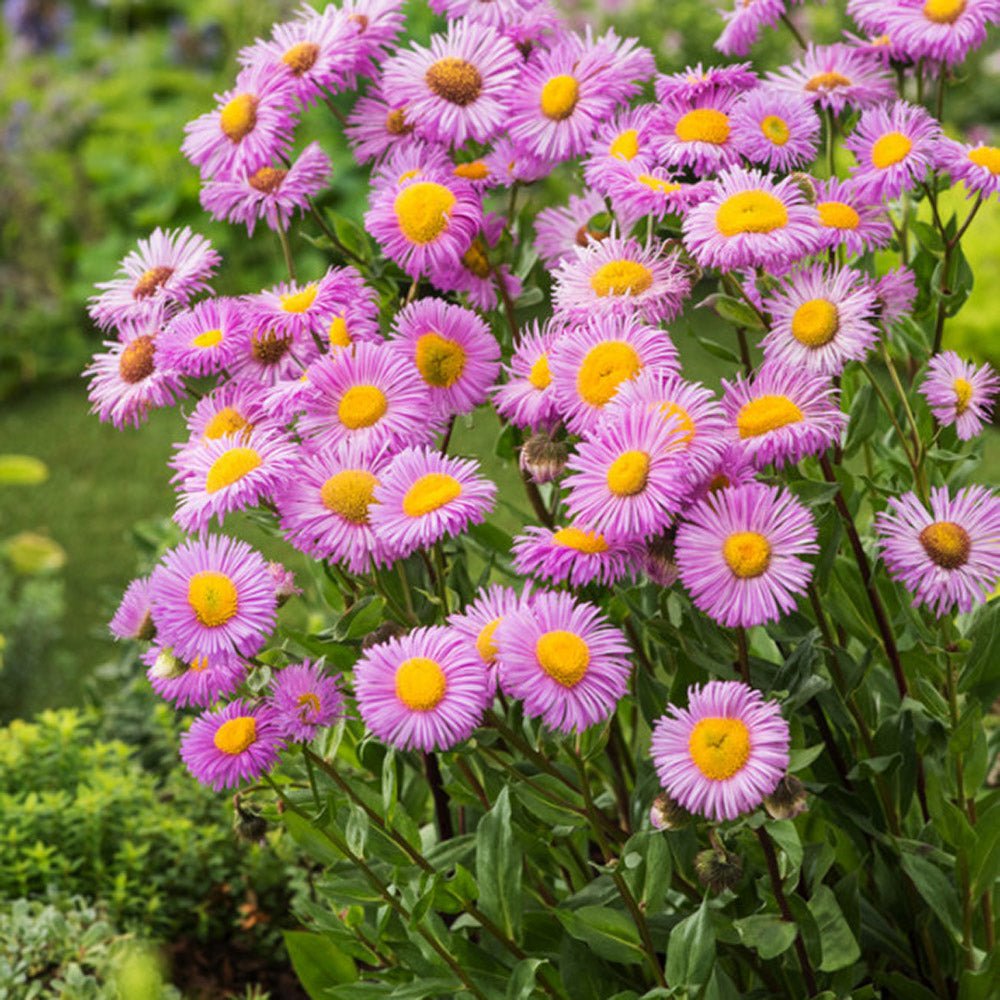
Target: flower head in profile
(560, 229)
(133, 619)
(977, 166)
(574, 555)
(725, 753)
(960, 393)
(948, 556)
(196, 682)
(744, 22)
(527, 399)
(478, 621)
(377, 126)
(694, 81)
(305, 697)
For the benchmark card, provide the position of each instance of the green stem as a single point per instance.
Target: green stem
(287, 252)
(312, 778)
(332, 236)
(796, 34)
(743, 654)
(442, 577)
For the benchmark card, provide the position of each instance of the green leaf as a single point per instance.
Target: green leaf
(318, 963)
(610, 933)
(522, 979)
(498, 867)
(799, 760)
(766, 933)
(733, 310)
(310, 839)
(691, 950)
(982, 664)
(840, 949)
(938, 890)
(22, 470)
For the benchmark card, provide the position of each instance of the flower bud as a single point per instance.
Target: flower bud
(284, 583)
(807, 185)
(718, 869)
(658, 563)
(385, 632)
(248, 824)
(168, 667)
(543, 458)
(666, 814)
(788, 800)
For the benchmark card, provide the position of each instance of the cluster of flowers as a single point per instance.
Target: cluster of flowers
(320, 417)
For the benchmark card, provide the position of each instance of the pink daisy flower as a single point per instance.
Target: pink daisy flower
(739, 553)
(725, 753)
(199, 682)
(304, 698)
(560, 230)
(478, 621)
(212, 595)
(457, 88)
(744, 22)
(134, 617)
(782, 414)
(949, 556)
(425, 496)
(697, 134)
(975, 166)
(377, 126)
(821, 318)
(271, 194)
(267, 356)
(231, 409)
(419, 160)
(201, 340)
(895, 146)
(638, 189)
(378, 24)
(483, 281)
(847, 218)
(527, 399)
(589, 363)
(325, 508)
(425, 691)
(451, 349)
(166, 270)
(510, 163)
(940, 31)
(575, 556)
(752, 220)
(564, 660)
(896, 291)
(694, 81)
(776, 128)
(298, 309)
(731, 468)
(364, 394)
(627, 136)
(250, 127)
(234, 744)
(960, 393)
(621, 277)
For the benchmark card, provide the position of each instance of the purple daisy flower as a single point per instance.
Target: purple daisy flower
(425, 496)
(214, 478)
(837, 76)
(267, 356)
(895, 146)
(378, 24)
(564, 660)
(694, 81)
(304, 698)
(575, 556)
(896, 291)
(419, 160)
(364, 394)
(212, 595)
(782, 414)
(199, 682)
(451, 349)
(939, 31)
(424, 691)
(510, 163)
(234, 744)
(272, 194)
(423, 224)
(560, 230)
(476, 275)
(478, 621)
(376, 126)
(739, 553)
(731, 468)
(621, 277)
(353, 312)
(231, 409)
(743, 24)
(134, 617)
(621, 140)
(945, 557)
(975, 166)
(250, 128)
(960, 393)
(821, 318)
(725, 753)
(776, 128)
(848, 218)
(457, 88)
(166, 270)
(752, 220)
(589, 363)
(697, 134)
(638, 189)
(325, 508)
(526, 399)
(201, 340)
(628, 478)
(294, 310)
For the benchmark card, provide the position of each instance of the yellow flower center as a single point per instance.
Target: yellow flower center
(423, 210)
(815, 323)
(267, 180)
(430, 493)
(440, 360)
(890, 149)
(828, 81)
(338, 332)
(420, 683)
(210, 338)
(621, 277)
(396, 124)
(720, 481)
(198, 664)
(149, 281)
(948, 544)
(486, 645)
(682, 419)
(456, 80)
(765, 414)
(540, 376)
(349, 493)
(588, 542)
(963, 395)
(747, 553)
(137, 360)
(235, 735)
(227, 421)
(703, 125)
(658, 184)
(604, 368)
(475, 259)
(838, 215)
(362, 406)
(213, 598)
(751, 212)
(775, 130)
(301, 58)
(300, 301)
(559, 97)
(474, 171)
(719, 747)
(944, 11)
(238, 118)
(625, 145)
(628, 473)
(230, 467)
(986, 156)
(308, 701)
(563, 655)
